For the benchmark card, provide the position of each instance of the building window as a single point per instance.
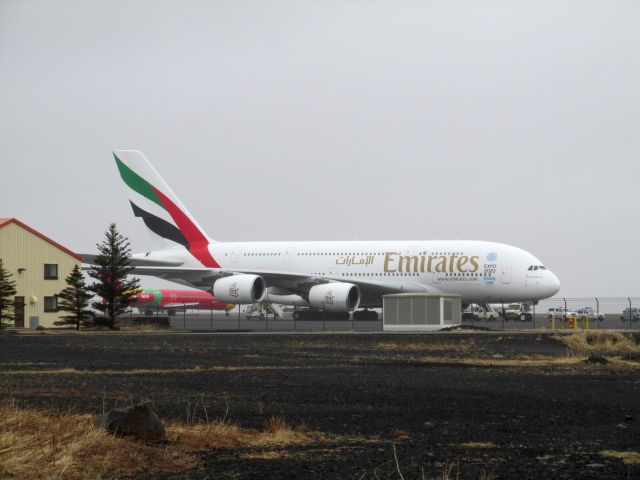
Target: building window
(50, 304)
(50, 271)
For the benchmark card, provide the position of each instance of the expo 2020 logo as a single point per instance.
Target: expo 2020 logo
(492, 257)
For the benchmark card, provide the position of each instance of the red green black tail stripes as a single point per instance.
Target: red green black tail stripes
(186, 233)
(160, 226)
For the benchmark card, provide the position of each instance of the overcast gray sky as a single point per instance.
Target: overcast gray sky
(512, 121)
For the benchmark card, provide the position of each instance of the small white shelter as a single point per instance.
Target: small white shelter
(420, 311)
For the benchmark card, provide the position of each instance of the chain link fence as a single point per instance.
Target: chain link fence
(556, 313)
(550, 314)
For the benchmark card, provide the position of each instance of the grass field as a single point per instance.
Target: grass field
(323, 406)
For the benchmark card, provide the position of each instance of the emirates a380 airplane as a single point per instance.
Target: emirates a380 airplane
(331, 276)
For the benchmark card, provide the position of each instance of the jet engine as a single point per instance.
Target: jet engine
(335, 297)
(240, 289)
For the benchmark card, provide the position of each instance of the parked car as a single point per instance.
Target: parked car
(560, 312)
(518, 311)
(588, 313)
(630, 314)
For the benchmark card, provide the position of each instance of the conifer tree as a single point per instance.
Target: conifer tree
(112, 265)
(7, 291)
(75, 300)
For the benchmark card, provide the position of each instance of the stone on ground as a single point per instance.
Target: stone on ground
(139, 421)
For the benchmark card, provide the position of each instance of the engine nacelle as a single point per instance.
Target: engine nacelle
(240, 289)
(335, 297)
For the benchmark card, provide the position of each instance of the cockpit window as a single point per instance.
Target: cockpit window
(530, 267)
(535, 268)
(542, 267)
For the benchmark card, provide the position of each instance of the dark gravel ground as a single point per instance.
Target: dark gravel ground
(376, 390)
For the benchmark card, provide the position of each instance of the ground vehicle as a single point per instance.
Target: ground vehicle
(262, 311)
(517, 311)
(630, 314)
(478, 312)
(588, 313)
(560, 313)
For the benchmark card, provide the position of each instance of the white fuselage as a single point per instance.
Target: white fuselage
(482, 272)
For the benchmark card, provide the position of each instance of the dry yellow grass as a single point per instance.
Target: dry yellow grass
(478, 445)
(68, 446)
(506, 362)
(464, 345)
(602, 342)
(629, 458)
(526, 361)
(91, 330)
(142, 371)
(399, 434)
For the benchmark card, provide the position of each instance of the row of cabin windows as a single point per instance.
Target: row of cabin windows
(396, 274)
(405, 274)
(314, 254)
(370, 253)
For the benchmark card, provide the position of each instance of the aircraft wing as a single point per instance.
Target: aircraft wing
(299, 283)
(370, 290)
(90, 259)
(200, 277)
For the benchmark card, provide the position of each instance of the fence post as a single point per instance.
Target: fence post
(324, 318)
(564, 314)
(184, 316)
(502, 316)
(598, 312)
(534, 314)
(211, 318)
(630, 316)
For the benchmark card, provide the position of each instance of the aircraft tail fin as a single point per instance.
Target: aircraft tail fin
(161, 210)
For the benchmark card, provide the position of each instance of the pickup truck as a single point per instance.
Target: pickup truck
(630, 314)
(476, 312)
(517, 311)
(587, 312)
(560, 312)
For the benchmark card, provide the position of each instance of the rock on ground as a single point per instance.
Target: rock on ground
(139, 421)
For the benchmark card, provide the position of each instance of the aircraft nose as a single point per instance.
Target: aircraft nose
(552, 284)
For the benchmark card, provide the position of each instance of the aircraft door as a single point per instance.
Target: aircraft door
(236, 253)
(289, 254)
(506, 275)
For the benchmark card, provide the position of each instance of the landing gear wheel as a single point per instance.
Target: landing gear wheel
(523, 317)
